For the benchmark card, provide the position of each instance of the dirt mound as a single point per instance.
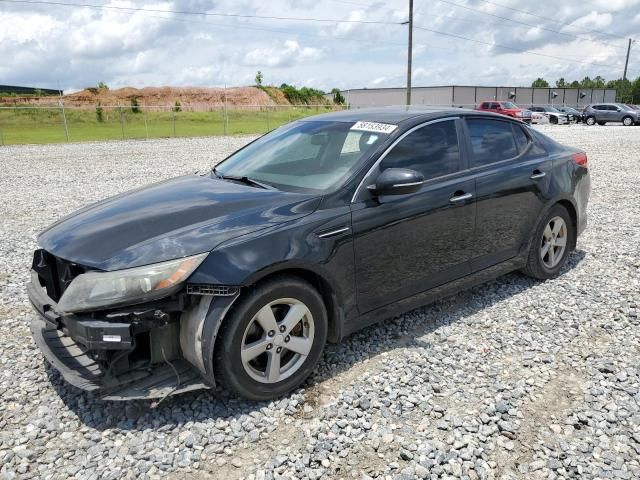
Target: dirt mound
(190, 98)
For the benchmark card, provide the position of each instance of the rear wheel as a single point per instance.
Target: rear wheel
(627, 121)
(551, 244)
(590, 120)
(272, 340)
(553, 120)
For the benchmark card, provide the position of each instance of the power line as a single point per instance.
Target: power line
(474, 22)
(208, 14)
(497, 45)
(533, 14)
(137, 10)
(558, 32)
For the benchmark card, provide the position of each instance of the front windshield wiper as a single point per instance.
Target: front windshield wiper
(243, 179)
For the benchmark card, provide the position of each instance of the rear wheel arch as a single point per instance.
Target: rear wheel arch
(570, 207)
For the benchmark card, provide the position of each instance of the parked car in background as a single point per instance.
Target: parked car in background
(539, 118)
(574, 115)
(601, 113)
(315, 230)
(553, 114)
(509, 109)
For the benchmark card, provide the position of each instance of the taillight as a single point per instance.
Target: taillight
(580, 158)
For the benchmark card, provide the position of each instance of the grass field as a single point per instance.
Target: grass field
(46, 125)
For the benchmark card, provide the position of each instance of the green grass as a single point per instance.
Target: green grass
(23, 126)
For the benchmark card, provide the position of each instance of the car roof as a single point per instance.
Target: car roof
(394, 115)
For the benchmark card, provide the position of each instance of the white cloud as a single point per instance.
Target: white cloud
(285, 55)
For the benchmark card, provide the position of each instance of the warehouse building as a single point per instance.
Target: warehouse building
(470, 96)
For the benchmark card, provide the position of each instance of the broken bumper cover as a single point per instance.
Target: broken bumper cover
(66, 343)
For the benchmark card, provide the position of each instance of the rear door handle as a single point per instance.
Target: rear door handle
(461, 198)
(537, 174)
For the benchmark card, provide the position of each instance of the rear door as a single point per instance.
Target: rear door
(512, 180)
(406, 244)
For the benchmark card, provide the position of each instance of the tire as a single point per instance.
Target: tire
(602, 123)
(247, 375)
(590, 120)
(627, 121)
(553, 120)
(545, 266)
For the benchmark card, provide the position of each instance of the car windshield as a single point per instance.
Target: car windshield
(509, 105)
(306, 156)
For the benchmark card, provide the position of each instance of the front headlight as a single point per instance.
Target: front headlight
(92, 290)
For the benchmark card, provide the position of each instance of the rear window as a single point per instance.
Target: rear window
(522, 141)
(491, 141)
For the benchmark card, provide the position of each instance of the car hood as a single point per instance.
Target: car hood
(175, 218)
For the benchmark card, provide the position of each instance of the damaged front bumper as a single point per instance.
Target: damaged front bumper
(120, 356)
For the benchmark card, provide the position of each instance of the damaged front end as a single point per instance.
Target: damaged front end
(150, 349)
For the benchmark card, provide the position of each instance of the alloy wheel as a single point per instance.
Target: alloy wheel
(277, 340)
(554, 242)
(627, 121)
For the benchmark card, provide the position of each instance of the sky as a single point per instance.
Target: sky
(56, 46)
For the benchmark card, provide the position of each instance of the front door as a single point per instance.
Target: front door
(406, 244)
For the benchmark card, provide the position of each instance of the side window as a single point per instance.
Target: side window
(485, 105)
(495, 106)
(431, 150)
(522, 141)
(491, 141)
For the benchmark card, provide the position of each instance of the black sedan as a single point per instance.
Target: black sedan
(307, 234)
(573, 114)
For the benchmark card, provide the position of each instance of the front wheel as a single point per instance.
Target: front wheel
(551, 244)
(590, 121)
(553, 120)
(627, 121)
(272, 340)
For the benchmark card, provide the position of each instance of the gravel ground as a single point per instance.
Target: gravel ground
(513, 379)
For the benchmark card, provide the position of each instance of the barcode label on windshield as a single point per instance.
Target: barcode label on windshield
(374, 127)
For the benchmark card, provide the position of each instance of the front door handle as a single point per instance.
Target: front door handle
(461, 198)
(537, 174)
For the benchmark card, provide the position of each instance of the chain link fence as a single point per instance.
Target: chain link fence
(36, 124)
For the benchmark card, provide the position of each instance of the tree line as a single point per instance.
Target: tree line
(627, 90)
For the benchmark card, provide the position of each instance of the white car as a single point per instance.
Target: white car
(554, 116)
(539, 118)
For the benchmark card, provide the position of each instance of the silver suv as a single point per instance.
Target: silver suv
(602, 113)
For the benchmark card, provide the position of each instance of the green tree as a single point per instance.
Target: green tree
(99, 113)
(103, 86)
(634, 94)
(560, 83)
(599, 82)
(338, 98)
(586, 82)
(177, 107)
(540, 82)
(575, 84)
(135, 106)
(259, 78)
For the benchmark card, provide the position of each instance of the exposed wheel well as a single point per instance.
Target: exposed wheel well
(326, 292)
(574, 219)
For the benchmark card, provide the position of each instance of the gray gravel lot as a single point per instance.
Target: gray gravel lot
(513, 379)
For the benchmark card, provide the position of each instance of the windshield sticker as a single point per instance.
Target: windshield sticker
(374, 127)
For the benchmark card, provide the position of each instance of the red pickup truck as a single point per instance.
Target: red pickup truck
(509, 109)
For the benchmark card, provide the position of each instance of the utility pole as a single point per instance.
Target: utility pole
(409, 52)
(626, 63)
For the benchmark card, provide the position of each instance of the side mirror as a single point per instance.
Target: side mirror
(397, 181)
